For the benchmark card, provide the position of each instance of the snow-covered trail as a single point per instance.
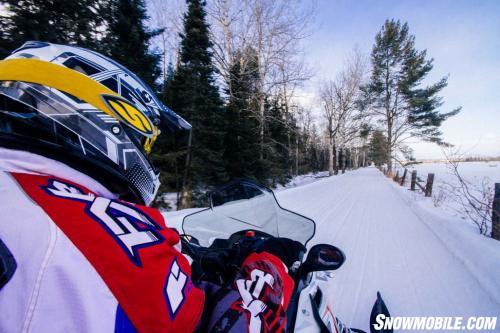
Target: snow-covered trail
(388, 248)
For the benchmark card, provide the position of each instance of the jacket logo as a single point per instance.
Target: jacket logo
(129, 114)
(131, 228)
(174, 288)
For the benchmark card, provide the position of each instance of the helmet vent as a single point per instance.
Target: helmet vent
(141, 180)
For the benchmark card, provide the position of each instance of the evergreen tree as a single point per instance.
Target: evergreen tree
(395, 94)
(170, 148)
(316, 162)
(128, 40)
(364, 134)
(166, 92)
(6, 42)
(76, 22)
(241, 139)
(167, 155)
(276, 154)
(196, 98)
(169, 75)
(377, 152)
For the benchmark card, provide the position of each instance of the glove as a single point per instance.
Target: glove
(287, 250)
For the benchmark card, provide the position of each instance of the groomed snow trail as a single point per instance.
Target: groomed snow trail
(420, 269)
(388, 248)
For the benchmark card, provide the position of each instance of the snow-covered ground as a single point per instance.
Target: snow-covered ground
(302, 180)
(169, 201)
(481, 175)
(398, 243)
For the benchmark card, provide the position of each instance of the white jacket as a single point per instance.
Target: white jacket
(67, 278)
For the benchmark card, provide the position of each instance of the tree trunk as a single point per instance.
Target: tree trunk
(296, 154)
(339, 160)
(389, 147)
(356, 158)
(335, 160)
(348, 159)
(184, 201)
(344, 160)
(289, 151)
(261, 129)
(186, 197)
(389, 161)
(331, 156)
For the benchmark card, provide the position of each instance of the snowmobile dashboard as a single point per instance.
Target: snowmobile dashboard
(219, 262)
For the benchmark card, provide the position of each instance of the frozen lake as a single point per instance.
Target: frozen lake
(474, 172)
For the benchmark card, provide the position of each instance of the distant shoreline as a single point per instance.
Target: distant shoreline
(465, 159)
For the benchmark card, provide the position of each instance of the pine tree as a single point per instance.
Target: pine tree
(316, 152)
(57, 21)
(169, 75)
(378, 148)
(276, 153)
(170, 148)
(395, 94)
(166, 92)
(128, 40)
(196, 98)
(241, 138)
(6, 42)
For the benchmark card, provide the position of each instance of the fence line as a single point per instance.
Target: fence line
(416, 183)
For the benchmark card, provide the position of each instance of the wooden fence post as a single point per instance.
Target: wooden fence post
(428, 186)
(495, 214)
(403, 178)
(396, 177)
(413, 180)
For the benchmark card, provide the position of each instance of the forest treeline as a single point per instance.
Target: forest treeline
(233, 70)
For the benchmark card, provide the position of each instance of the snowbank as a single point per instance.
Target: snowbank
(478, 253)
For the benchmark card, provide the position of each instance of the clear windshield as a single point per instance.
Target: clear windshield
(244, 205)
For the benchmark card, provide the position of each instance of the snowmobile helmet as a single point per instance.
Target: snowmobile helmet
(84, 109)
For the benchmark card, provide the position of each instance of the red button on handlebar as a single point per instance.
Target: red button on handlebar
(250, 233)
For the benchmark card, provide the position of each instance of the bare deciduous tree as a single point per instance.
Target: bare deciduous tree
(474, 201)
(272, 29)
(339, 101)
(167, 15)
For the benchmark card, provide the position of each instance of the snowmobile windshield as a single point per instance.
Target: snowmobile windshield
(246, 205)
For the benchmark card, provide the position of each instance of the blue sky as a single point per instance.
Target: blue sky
(462, 36)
